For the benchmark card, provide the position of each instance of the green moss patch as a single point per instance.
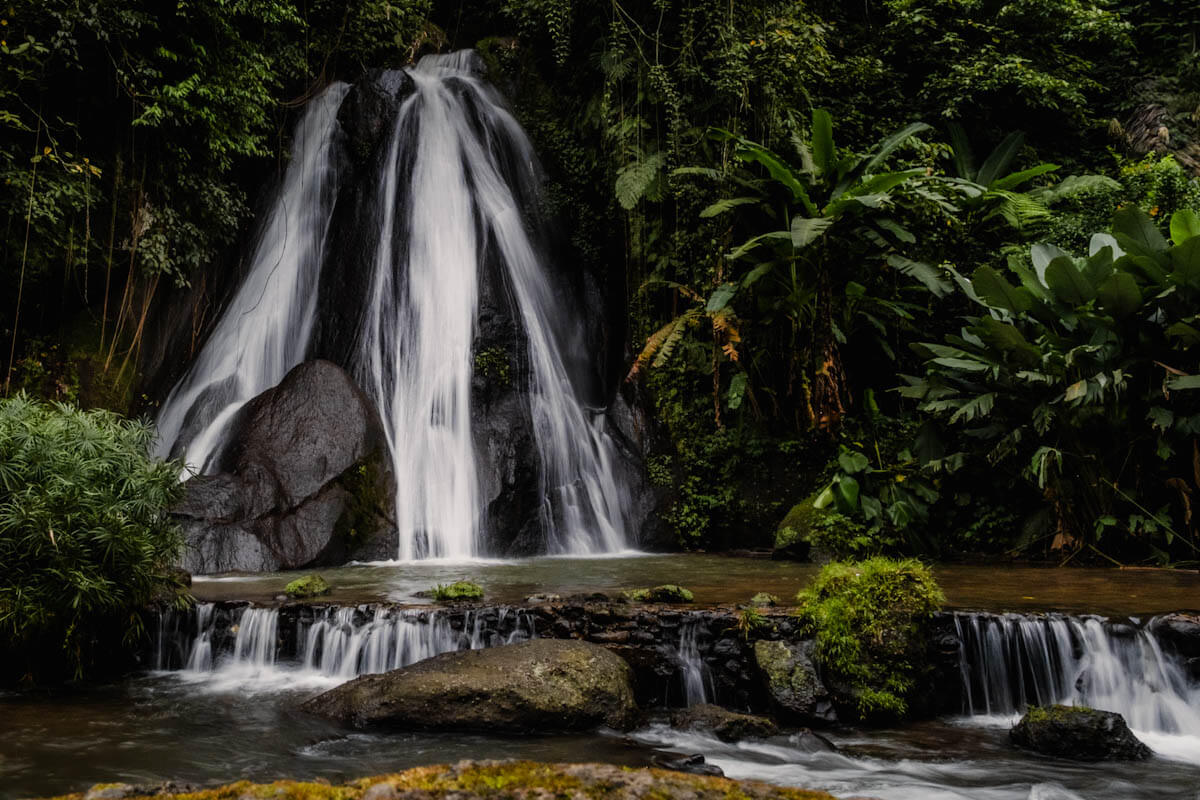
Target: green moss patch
(457, 591)
(869, 619)
(308, 586)
(667, 593)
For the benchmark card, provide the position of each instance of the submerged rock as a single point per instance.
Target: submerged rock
(693, 765)
(726, 725)
(791, 682)
(305, 482)
(521, 780)
(1080, 734)
(531, 687)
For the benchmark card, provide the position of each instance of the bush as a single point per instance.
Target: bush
(459, 590)
(85, 539)
(868, 619)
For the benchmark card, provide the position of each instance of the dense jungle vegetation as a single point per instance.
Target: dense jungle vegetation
(927, 268)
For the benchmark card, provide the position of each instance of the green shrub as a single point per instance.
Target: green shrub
(667, 593)
(868, 619)
(459, 590)
(308, 586)
(85, 539)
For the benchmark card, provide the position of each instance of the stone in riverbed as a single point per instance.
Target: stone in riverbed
(726, 725)
(790, 679)
(530, 687)
(1079, 734)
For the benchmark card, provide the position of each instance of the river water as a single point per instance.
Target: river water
(232, 715)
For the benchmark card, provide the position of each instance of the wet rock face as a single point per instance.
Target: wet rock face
(1180, 633)
(531, 687)
(728, 726)
(791, 681)
(1079, 734)
(305, 484)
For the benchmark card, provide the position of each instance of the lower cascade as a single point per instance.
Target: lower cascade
(1011, 661)
(335, 642)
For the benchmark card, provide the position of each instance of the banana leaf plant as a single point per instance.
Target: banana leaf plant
(1083, 374)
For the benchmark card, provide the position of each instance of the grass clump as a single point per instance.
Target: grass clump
(667, 593)
(308, 586)
(459, 590)
(868, 618)
(85, 538)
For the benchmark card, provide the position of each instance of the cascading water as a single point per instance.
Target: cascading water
(265, 330)
(341, 643)
(697, 680)
(415, 354)
(1011, 661)
(455, 195)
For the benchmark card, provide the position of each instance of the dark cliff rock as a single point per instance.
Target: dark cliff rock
(304, 483)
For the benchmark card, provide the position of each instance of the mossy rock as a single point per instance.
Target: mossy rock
(472, 780)
(667, 593)
(308, 586)
(1079, 734)
(764, 600)
(796, 537)
(459, 591)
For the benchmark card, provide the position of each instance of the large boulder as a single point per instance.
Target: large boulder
(304, 482)
(726, 725)
(789, 678)
(530, 687)
(1080, 734)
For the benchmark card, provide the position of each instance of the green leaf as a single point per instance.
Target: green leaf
(751, 152)
(961, 363)
(1119, 295)
(1137, 233)
(806, 230)
(1000, 159)
(635, 180)
(852, 462)
(1185, 333)
(998, 292)
(1183, 382)
(1017, 178)
(721, 206)
(721, 297)
(1185, 225)
(929, 276)
(1009, 338)
(750, 244)
(892, 142)
(1068, 283)
(846, 491)
(1186, 260)
(960, 147)
(825, 498)
(737, 391)
(895, 229)
(822, 139)
(1042, 255)
(975, 408)
(753, 276)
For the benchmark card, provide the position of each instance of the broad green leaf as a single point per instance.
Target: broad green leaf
(1069, 284)
(962, 363)
(1161, 418)
(845, 491)
(998, 292)
(753, 276)
(1009, 338)
(1000, 159)
(902, 234)
(960, 147)
(1185, 225)
(1119, 295)
(1042, 255)
(737, 391)
(1183, 382)
(975, 408)
(888, 145)
(1186, 260)
(1017, 178)
(749, 151)
(1076, 390)
(852, 462)
(750, 244)
(1099, 241)
(822, 139)
(721, 297)
(825, 498)
(806, 230)
(721, 206)
(929, 276)
(1137, 233)
(1184, 332)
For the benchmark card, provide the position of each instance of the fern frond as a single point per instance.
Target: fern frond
(661, 343)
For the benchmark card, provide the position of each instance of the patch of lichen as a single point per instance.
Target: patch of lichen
(514, 779)
(493, 363)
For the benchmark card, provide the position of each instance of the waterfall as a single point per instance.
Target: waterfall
(339, 642)
(452, 137)
(265, 329)
(1011, 661)
(697, 680)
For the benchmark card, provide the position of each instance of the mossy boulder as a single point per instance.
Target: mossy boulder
(789, 678)
(516, 780)
(531, 687)
(1079, 734)
(796, 537)
(308, 586)
(726, 725)
(667, 593)
(764, 600)
(459, 591)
